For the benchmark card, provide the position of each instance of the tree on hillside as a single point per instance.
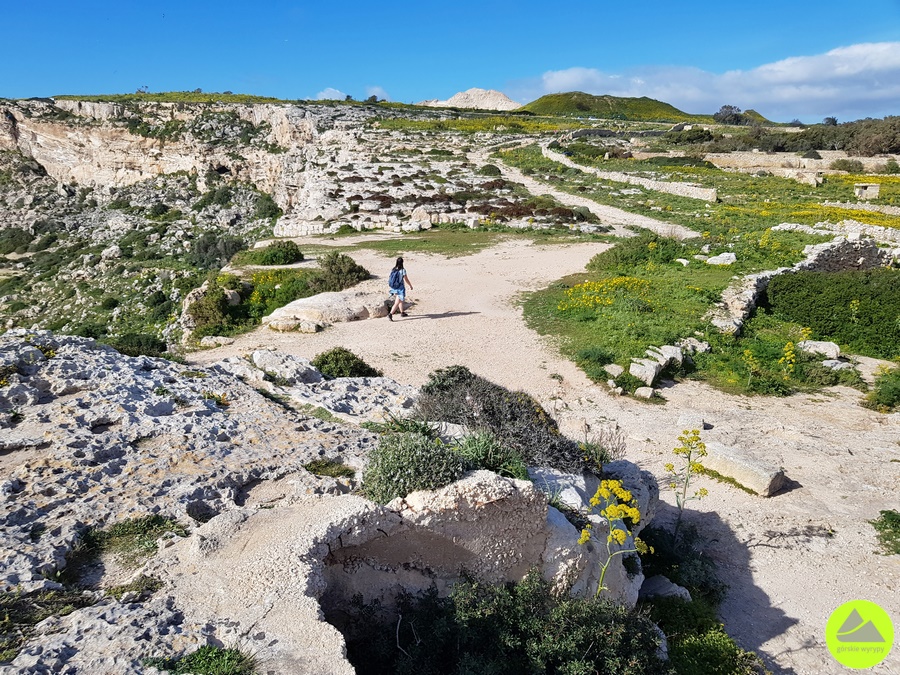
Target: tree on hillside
(730, 114)
(830, 121)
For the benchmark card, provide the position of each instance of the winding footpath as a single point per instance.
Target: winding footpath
(618, 220)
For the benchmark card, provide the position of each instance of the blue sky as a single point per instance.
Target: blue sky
(786, 60)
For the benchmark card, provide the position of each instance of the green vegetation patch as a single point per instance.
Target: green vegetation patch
(129, 541)
(331, 468)
(19, 613)
(887, 525)
(885, 394)
(208, 660)
(511, 629)
(277, 253)
(515, 419)
(857, 309)
(407, 462)
(341, 362)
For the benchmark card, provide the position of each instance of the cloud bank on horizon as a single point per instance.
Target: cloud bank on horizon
(846, 82)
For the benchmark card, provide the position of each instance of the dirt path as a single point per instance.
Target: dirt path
(617, 219)
(789, 560)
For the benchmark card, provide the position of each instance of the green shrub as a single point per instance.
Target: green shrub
(407, 462)
(210, 312)
(513, 629)
(891, 166)
(138, 344)
(592, 360)
(109, 302)
(713, 653)
(212, 251)
(848, 165)
(89, 330)
(483, 451)
(629, 253)
(337, 272)
(857, 308)
(489, 170)
(331, 468)
(12, 238)
(277, 253)
(887, 525)
(266, 208)
(885, 394)
(458, 396)
(208, 660)
(341, 362)
(811, 154)
(221, 196)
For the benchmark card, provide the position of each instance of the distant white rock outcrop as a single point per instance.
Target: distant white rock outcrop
(482, 99)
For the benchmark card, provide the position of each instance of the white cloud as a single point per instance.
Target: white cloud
(848, 82)
(330, 94)
(377, 91)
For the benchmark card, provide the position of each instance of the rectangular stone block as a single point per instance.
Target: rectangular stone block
(762, 478)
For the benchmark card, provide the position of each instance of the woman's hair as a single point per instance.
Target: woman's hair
(399, 265)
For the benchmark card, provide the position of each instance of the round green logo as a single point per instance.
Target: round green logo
(859, 634)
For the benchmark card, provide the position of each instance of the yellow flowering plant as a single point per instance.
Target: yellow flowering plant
(691, 450)
(617, 506)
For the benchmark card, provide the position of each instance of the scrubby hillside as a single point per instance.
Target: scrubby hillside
(642, 109)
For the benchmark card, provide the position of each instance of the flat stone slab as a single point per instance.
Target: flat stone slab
(762, 478)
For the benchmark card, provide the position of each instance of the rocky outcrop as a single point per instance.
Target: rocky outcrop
(364, 301)
(91, 438)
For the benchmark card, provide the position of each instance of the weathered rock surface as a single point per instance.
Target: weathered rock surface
(100, 437)
(829, 350)
(364, 301)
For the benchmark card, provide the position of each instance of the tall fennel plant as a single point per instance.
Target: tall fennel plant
(691, 451)
(618, 510)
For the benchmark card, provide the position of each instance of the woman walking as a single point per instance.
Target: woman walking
(398, 280)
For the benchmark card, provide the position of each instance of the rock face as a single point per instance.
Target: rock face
(363, 301)
(98, 438)
(481, 99)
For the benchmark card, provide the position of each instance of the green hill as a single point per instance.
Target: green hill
(577, 103)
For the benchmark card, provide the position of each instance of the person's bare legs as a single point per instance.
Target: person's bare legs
(398, 303)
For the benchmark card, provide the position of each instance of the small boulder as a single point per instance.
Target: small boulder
(646, 370)
(644, 392)
(726, 258)
(837, 364)
(660, 587)
(614, 369)
(827, 349)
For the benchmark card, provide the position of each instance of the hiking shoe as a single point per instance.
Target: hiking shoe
(391, 316)
(403, 314)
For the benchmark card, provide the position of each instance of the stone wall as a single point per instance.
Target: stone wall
(680, 189)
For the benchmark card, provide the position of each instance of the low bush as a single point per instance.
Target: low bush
(516, 420)
(489, 170)
(341, 362)
(858, 309)
(13, 238)
(208, 660)
(811, 154)
(212, 251)
(407, 462)
(138, 344)
(337, 271)
(887, 525)
(266, 208)
(885, 394)
(629, 253)
(513, 629)
(277, 253)
(848, 165)
(484, 451)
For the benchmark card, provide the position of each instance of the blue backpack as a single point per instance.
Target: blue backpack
(395, 281)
